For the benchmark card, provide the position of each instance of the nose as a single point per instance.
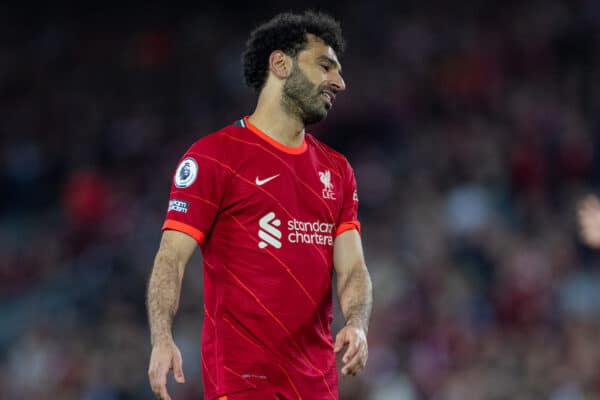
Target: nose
(338, 82)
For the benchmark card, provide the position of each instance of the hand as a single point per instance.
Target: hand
(357, 352)
(165, 357)
(588, 213)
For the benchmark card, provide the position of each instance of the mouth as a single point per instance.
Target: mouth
(329, 97)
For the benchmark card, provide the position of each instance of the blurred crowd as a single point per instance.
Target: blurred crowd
(473, 129)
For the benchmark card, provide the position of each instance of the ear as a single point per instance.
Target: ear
(280, 64)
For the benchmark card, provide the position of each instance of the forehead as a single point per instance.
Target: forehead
(316, 47)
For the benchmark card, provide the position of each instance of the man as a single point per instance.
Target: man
(275, 212)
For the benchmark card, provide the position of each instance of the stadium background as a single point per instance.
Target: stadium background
(473, 130)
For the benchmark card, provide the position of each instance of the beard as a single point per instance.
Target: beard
(303, 98)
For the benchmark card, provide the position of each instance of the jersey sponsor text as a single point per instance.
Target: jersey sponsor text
(306, 232)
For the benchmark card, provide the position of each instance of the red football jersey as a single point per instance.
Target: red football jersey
(266, 216)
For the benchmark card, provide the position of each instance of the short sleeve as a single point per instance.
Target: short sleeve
(349, 213)
(197, 189)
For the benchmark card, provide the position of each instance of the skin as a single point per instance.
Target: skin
(164, 288)
(294, 95)
(588, 214)
(356, 299)
(274, 114)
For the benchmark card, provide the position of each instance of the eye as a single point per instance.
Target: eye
(325, 67)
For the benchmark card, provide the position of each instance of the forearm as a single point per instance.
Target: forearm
(356, 297)
(164, 289)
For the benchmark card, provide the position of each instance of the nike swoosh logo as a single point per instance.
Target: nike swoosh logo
(261, 182)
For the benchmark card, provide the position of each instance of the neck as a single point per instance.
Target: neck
(270, 117)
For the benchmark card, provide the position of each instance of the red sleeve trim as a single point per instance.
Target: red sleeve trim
(347, 226)
(184, 228)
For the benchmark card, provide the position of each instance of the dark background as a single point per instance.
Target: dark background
(473, 130)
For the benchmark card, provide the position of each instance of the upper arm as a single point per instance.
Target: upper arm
(347, 247)
(348, 216)
(347, 254)
(175, 248)
(197, 189)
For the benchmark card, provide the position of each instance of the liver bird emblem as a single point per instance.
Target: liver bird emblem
(326, 179)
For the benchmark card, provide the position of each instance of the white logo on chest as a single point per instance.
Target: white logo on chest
(268, 232)
(328, 192)
(261, 182)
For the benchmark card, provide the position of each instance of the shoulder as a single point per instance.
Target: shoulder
(216, 143)
(334, 157)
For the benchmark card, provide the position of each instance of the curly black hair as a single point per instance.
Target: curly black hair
(286, 32)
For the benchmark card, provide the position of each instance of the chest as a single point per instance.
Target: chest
(303, 188)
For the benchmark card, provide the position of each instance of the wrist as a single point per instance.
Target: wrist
(161, 339)
(357, 323)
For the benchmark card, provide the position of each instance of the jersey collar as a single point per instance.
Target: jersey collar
(280, 146)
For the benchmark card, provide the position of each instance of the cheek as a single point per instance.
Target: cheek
(317, 77)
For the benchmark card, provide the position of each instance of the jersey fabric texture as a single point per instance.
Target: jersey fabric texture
(266, 216)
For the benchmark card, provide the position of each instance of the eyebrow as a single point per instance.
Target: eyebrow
(330, 61)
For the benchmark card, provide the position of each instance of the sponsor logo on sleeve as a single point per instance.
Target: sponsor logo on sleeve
(178, 206)
(186, 173)
(355, 196)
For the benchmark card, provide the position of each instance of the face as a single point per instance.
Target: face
(311, 87)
